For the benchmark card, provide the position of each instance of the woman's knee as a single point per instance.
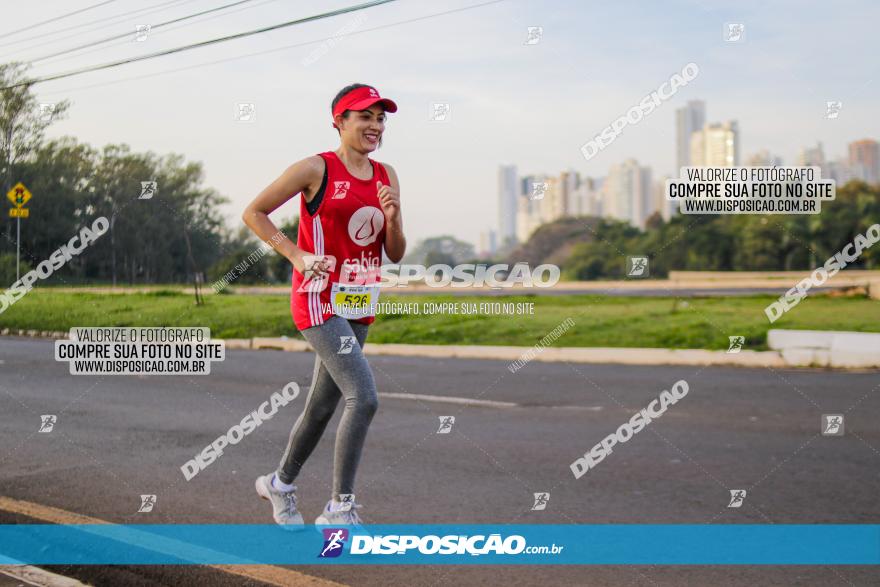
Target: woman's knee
(363, 403)
(322, 414)
(371, 403)
(321, 411)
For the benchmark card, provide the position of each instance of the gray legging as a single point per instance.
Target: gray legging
(336, 374)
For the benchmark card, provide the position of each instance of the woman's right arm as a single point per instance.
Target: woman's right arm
(295, 179)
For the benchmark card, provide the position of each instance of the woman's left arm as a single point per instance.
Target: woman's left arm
(389, 198)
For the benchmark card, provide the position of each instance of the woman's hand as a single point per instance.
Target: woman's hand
(311, 266)
(389, 198)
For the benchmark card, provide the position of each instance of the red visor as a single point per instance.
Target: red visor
(361, 99)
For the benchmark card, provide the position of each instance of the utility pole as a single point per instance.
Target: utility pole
(113, 242)
(197, 276)
(8, 187)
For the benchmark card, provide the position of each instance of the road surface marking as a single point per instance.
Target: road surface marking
(587, 408)
(444, 399)
(450, 400)
(266, 573)
(38, 577)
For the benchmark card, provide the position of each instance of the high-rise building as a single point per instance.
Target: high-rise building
(508, 190)
(527, 217)
(628, 193)
(811, 157)
(716, 145)
(838, 170)
(550, 206)
(534, 204)
(525, 185)
(864, 160)
(763, 158)
(568, 185)
(598, 191)
(488, 243)
(667, 208)
(587, 198)
(688, 119)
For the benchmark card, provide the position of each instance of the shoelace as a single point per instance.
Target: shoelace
(290, 500)
(352, 516)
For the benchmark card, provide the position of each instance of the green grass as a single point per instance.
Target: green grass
(599, 321)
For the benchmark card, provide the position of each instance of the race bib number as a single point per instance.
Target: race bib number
(354, 301)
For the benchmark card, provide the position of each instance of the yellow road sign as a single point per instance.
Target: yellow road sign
(19, 195)
(19, 212)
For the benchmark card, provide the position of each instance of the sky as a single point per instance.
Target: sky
(531, 105)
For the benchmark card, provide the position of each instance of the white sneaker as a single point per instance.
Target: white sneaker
(340, 518)
(283, 503)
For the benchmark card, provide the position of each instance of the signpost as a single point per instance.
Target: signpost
(19, 196)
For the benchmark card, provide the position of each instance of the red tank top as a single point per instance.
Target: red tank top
(349, 225)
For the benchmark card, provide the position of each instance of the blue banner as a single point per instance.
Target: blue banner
(520, 544)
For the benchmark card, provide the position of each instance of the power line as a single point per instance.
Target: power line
(277, 49)
(165, 31)
(146, 10)
(200, 44)
(63, 16)
(115, 37)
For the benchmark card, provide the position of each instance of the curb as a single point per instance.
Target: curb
(33, 333)
(832, 348)
(621, 356)
(782, 358)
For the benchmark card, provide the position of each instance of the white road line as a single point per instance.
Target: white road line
(39, 577)
(450, 400)
(466, 401)
(270, 574)
(586, 408)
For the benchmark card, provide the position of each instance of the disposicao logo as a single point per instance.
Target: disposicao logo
(334, 541)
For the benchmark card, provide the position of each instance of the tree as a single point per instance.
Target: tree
(60, 174)
(22, 125)
(270, 268)
(7, 269)
(715, 242)
(447, 245)
(439, 258)
(280, 269)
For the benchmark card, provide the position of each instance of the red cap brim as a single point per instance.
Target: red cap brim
(387, 104)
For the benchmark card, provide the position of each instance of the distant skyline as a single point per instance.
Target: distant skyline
(531, 105)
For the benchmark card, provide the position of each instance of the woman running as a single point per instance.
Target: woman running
(349, 210)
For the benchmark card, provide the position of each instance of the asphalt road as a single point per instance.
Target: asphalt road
(758, 429)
